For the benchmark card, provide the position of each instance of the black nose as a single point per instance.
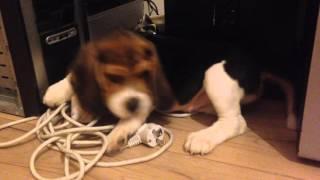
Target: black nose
(133, 104)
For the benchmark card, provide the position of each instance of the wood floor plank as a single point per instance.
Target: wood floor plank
(266, 151)
(257, 158)
(182, 166)
(273, 152)
(9, 116)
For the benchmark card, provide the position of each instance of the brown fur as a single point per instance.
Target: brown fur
(106, 66)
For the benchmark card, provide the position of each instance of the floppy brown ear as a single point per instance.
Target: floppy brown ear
(84, 81)
(164, 98)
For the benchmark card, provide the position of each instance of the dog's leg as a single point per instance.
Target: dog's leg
(118, 137)
(58, 93)
(225, 95)
(77, 112)
(288, 91)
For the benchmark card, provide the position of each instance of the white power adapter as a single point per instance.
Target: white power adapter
(150, 134)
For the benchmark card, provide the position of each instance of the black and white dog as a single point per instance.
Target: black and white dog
(121, 76)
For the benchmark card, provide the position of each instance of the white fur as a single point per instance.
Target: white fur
(75, 107)
(225, 95)
(77, 113)
(122, 130)
(129, 121)
(117, 103)
(58, 93)
(62, 92)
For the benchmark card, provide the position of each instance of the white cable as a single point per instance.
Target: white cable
(177, 114)
(58, 131)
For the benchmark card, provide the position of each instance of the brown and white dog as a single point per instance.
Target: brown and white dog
(121, 76)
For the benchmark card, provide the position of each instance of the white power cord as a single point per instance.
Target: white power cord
(58, 131)
(177, 114)
(150, 134)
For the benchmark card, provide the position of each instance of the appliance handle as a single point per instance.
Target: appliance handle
(61, 36)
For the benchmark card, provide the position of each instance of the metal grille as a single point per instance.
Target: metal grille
(10, 101)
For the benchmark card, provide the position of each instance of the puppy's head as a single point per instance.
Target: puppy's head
(119, 74)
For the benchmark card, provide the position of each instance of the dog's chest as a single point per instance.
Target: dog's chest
(185, 72)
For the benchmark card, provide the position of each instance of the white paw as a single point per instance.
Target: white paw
(78, 114)
(116, 141)
(204, 141)
(118, 137)
(58, 93)
(243, 125)
(201, 142)
(75, 108)
(292, 122)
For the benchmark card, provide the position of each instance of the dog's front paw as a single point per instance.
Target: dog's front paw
(118, 137)
(116, 141)
(58, 93)
(77, 112)
(200, 142)
(204, 141)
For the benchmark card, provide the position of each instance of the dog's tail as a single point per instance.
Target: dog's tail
(288, 90)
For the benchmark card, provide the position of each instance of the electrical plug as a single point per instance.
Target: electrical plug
(150, 134)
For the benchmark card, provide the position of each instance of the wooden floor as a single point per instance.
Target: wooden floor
(267, 151)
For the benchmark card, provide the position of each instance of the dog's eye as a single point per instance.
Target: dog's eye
(145, 75)
(103, 58)
(148, 53)
(115, 78)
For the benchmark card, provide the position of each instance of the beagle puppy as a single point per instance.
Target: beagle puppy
(121, 76)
